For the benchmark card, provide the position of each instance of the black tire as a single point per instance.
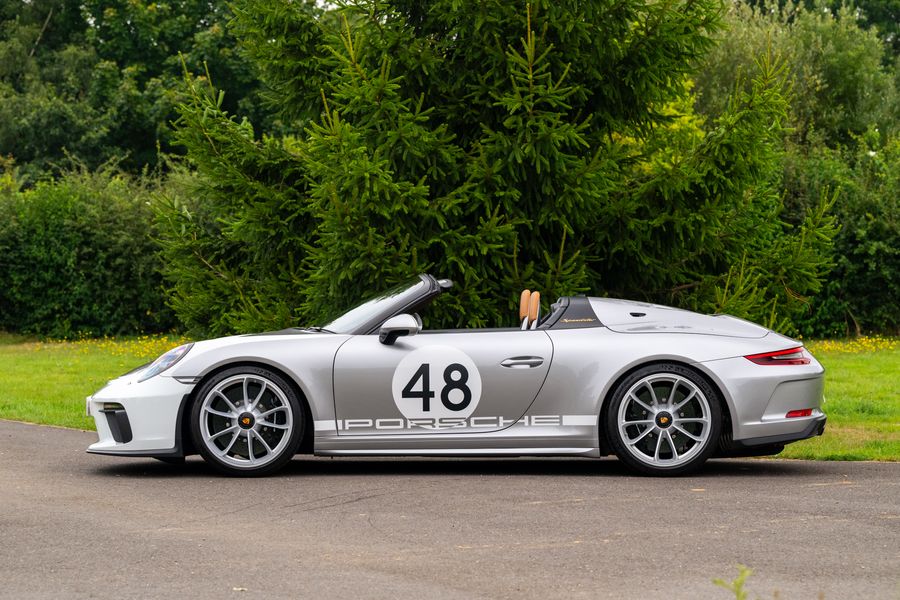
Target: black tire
(272, 391)
(661, 441)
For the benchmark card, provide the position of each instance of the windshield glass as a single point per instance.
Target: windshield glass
(399, 295)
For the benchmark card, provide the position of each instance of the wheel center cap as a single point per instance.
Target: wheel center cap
(663, 419)
(246, 420)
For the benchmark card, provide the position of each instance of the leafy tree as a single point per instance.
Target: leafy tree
(505, 145)
(839, 84)
(100, 79)
(883, 16)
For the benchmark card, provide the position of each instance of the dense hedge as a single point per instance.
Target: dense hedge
(76, 257)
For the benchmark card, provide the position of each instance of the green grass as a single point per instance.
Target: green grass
(862, 400)
(46, 382)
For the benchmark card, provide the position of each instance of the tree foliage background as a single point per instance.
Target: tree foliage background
(720, 156)
(550, 145)
(842, 141)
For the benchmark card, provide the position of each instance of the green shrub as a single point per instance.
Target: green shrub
(76, 257)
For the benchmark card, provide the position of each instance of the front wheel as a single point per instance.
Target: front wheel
(247, 421)
(664, 419)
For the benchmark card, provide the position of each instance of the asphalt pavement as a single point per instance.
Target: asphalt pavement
(74, 525)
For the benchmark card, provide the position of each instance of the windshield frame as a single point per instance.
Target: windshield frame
(378, 309)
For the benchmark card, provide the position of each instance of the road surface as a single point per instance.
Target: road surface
(82, 526)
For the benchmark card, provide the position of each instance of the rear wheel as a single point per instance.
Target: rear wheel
(664, 419)
(247, 421)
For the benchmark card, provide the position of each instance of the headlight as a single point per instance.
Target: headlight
(165, 361)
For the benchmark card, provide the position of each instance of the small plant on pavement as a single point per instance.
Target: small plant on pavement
(736, 586)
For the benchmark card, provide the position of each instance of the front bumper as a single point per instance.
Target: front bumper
(139, 419)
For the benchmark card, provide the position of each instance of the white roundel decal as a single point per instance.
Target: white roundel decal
(438, 385)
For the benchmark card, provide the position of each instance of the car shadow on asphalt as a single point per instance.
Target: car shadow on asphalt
(194, 467)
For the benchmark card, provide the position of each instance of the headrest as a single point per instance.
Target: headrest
(524, 305)
(535, 306)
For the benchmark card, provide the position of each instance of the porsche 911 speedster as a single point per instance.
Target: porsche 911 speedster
(661, 388)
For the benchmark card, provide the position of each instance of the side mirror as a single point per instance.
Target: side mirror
(398, 326)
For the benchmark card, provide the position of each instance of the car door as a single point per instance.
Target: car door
(469, 381)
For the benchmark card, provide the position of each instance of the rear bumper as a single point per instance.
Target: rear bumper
(760, 398)
(815, 428)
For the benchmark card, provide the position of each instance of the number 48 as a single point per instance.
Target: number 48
(450, 384)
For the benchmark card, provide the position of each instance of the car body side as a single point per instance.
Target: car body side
(563, 418)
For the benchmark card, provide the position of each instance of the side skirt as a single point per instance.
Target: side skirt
(589, 452)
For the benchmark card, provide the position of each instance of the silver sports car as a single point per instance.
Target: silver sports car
(661, 388)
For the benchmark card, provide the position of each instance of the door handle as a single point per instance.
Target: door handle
(522, 362)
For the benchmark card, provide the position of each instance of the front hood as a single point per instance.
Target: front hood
(627, 316)
(267, 348)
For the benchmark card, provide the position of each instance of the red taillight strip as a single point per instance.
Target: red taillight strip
(791, 356)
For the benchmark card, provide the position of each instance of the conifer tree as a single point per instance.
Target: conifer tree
(548, 145)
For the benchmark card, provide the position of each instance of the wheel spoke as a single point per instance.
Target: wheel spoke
(672, 391)
(641, 422)
(246, 388)
(272, 425)
(250, 446)
(219, 413)
(263, 442)
(216, 436)
(687, 399)
(272, 410)
(693, 420)
(227, 401)
(632, 442)
(672, 445)
(687, 433)
(234, 438)
(658, 446)
(649, 386)
(259, 396)
(641, 402)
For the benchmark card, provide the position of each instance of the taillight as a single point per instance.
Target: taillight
(791, 356)
(803, 412)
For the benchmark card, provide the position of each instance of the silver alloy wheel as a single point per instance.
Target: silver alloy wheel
(246, 421)
(664, 420)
